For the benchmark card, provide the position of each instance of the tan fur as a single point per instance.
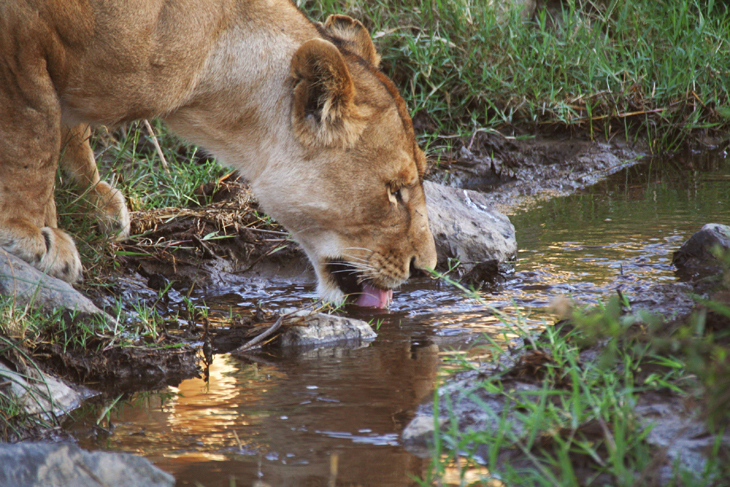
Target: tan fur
(300, 109)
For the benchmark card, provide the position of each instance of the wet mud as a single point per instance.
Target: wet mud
(518, 173)
(122, 369)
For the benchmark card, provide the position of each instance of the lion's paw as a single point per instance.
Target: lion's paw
(111, 211)
(61, 259)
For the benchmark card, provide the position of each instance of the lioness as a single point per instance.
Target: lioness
(299, 109)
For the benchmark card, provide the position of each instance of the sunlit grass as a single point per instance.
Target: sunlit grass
(129, 157)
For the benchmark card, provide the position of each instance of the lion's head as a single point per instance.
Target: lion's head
(357, 205)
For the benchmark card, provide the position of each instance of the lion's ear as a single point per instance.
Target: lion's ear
(355, 36)
(324, 111)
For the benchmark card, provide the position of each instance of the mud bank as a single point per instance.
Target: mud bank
(519, 173)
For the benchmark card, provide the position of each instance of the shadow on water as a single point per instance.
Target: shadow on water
(332, 416)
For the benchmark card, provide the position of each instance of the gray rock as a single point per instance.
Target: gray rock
(679, 431)
(697, 257)
(67, 465)
(466, 226)
(465, 400)
(39, 393)
(29, 286)
(320, 328)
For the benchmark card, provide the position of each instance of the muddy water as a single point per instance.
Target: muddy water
(332, 416)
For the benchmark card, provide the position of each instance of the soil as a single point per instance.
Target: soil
(517, 173)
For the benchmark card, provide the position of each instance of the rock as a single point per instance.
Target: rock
(475, 409)
(67, 465)
(29, 286)
(467, 228)
(38, 393)
(679, 431)
(670, 300)
(320, 328)
(696, 257)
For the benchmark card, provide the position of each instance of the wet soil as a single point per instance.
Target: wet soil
(125, 368)
(219, 242)
(521, 172)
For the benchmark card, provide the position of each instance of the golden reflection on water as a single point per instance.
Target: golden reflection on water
(462, 473)
(280, 417)
(213, 408)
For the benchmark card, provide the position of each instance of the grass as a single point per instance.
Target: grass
(69, 331)
(652, 70)
(15, 422)
(130, 156)
(129, 159)
(578, 423)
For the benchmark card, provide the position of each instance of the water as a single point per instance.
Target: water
(332, 416)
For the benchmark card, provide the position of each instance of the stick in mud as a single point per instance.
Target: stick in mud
(255, 341)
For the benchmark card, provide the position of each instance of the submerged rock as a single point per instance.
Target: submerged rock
(466, 227)
(67, 465)
(29, 286)
(697, 257)
(320, 328)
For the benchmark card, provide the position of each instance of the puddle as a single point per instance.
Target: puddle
(332, 416)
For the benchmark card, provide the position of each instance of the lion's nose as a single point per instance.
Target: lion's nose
(412, 267)
(415, 269)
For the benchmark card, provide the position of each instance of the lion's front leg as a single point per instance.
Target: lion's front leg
(78, 163)
(30, 119)
(48, 249)
(28, 212)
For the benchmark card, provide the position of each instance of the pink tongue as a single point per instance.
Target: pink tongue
(373, 297)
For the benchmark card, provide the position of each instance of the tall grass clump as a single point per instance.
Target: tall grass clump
(654, 70)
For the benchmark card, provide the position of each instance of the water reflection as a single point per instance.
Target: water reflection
(286, 418)
(279, 417)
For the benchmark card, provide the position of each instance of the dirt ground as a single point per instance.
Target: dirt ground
(518, 173)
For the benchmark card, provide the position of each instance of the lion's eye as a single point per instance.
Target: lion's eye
(395, 196)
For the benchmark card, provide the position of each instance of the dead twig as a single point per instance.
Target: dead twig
(157, 146)
(270, 331)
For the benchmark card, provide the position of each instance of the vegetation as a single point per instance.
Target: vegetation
(579, 424)
(655, 71)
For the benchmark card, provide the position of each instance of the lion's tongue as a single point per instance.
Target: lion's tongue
(373, 297)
